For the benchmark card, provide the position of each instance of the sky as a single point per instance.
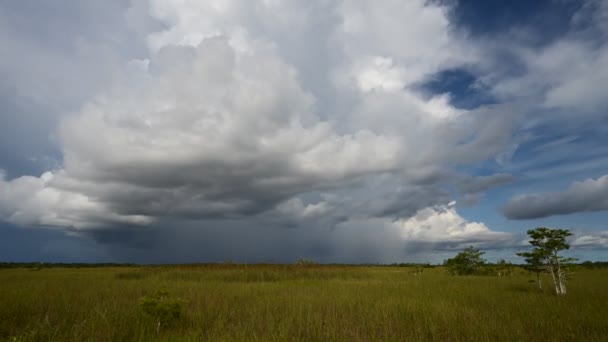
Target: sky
(351, 131)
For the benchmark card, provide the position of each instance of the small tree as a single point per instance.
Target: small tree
(503, 268)
(417, 270)
(534, 264)
(305, 262)
(547, 244)
(469, 261)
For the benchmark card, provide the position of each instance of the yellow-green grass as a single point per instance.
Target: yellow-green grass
(299, 303)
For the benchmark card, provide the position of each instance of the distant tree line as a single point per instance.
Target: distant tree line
(484, 270)
(38, 265)
(593, 264)
(409, 264)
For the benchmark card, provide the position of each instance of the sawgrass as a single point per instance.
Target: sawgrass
(308, 303)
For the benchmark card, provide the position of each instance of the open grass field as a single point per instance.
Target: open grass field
(306, 303)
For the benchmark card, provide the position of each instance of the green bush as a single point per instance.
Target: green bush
(162, 308)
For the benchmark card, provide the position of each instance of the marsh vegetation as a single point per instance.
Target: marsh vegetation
(305, 302)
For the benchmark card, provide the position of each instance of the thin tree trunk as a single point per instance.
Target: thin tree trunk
(562, 281)
(561, 276)
(559, 273)
(555, 282)
(540, 284)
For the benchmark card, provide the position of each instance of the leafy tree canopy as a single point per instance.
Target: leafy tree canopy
(469, 261)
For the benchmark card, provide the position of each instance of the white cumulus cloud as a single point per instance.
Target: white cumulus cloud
(444, 225)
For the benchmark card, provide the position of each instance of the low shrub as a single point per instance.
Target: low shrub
(162, 308)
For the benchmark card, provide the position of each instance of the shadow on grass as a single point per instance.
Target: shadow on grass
(525, 288)
(132, 275)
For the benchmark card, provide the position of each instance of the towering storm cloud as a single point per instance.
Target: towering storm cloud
(313, 123)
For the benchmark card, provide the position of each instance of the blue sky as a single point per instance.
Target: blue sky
(341, 131)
